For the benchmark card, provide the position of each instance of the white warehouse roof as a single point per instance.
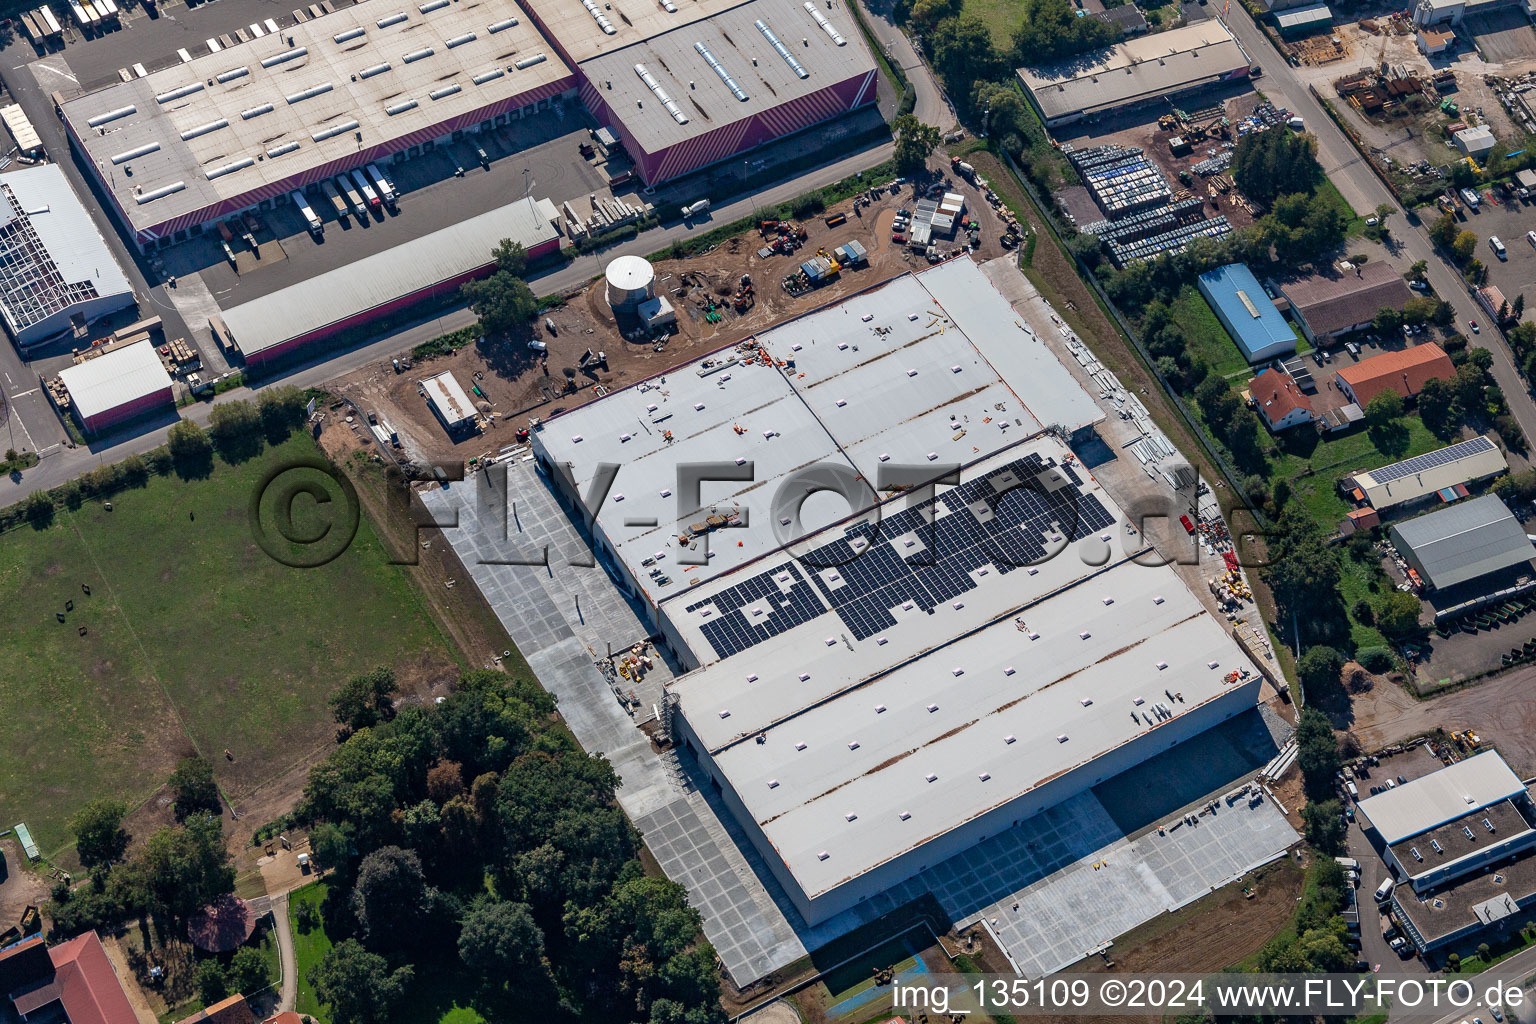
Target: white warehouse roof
(1441, 796)
(1138, 69)
(254, 116)
(852, 739)
(332, 297)
(886, 377)
(53, 261)
(1423, 475)
(109, 381)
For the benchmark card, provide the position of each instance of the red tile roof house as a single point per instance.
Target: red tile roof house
(1280, 402)
(80, 982)
(234, 1010)
(1403, 371)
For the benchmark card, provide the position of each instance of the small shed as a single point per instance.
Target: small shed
(449, 402)
(851, 253)
(656, 313)
(21, 131)
(28, 846)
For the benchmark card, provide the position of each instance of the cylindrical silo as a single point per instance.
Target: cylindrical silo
(631, 281)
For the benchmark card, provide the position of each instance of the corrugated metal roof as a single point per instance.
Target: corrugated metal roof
(1463, 542)
(1150, 65)
(167, 106)
(739, 46)
(1301, 16)
(1441, 796)
(74, 265)
(357, 287)
(121, 376)
(1247, 311)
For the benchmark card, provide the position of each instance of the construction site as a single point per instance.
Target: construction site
(591, 345)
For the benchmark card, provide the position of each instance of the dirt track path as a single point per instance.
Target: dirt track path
(290, 987)
(1501, 710)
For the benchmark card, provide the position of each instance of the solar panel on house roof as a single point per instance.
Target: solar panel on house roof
(1419, 463)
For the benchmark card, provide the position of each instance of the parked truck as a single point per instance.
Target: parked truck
(385, 186)
(311, 219)
(344, 183)
(694, 209)
(962, 168)
(374, 202)
(337, 203)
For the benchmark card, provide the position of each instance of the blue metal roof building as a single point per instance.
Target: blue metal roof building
(1247, 313)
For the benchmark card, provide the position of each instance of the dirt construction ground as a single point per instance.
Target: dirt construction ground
(1499, 710)
(517, 382)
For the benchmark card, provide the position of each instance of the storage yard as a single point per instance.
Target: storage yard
(1155, 186)
(712, 309)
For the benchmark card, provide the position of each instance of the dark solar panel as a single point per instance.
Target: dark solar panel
(1419, 463)
(921, 556)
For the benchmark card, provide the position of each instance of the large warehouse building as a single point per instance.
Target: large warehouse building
(1444, 472)
(928, 369)
(682, 85)
(56, 271)
(703, 93)
(1149, 69)
(243, 127)
(323, 306)
(1464, 542)
(1247, 313)
(876, 687)
(117, 386)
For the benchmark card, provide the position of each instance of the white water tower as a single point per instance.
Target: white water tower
(631, 281)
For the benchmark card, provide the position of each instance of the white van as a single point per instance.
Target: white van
(1384, 891)
(1348, 863)
(1497, 247)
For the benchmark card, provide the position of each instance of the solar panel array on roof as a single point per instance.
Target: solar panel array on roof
(923, 556)
(1419, 463)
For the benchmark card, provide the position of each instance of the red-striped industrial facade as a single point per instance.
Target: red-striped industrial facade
(309, 175)
(728, 140)
(277, 352)
(130, 410)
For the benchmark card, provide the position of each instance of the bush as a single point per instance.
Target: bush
(211, 985)
(807, 205)
(1375, 659)
(38, 510)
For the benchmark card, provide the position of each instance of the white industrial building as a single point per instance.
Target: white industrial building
(928, 369)
(449, 401)
(1444, 472)
(1474, 142)
(56, 271)
(876, 685)
(868, 719)
(117, 386)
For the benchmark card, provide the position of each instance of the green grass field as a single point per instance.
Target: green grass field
(309, 947)
(1000, 16)
(195, 639)
(1313, 465)
(1208, 340)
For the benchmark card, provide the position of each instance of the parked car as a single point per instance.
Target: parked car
(1473, 324)
(1418, 286)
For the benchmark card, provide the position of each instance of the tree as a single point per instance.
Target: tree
(1443, 232)
(1325, 827)
(511, 257)
(191, 451)
(1517, 310)
(1399, 614)
(1385, 408)
(1469, 382)
(357, 985)
(236, 429)
(1050, 32)
(1464, 246)
(1437, 407)
(1267, 165)
(502, 301)
(914, 141)
(391, 898)
(1319, 670)
(183, 868)
(364, 700)
(248, 971)
(193, 789)
(211, 986)
(1453, 962)
(282, 411)
(502, 941)
(1419, 271)
(1420, 309)
(331, 847)
(99, 834)
(38, 510)
(928, 13)
(1303, 570)
(1317, 753)
(1388, 320)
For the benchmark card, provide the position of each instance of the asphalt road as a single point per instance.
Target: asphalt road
(1360, 186)
(67, 463)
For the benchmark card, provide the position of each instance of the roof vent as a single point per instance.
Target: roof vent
(823, 855)
(800, 745)
(904, 815)
(853, 744)
(284, 57)
(349, 35)
(850, 816)
(500, 26)
(773, 783)
(724, 713)
(932, 708)
(1010, 739)
(373, 69)
(393, 19)
(233, 73)
(984, 776)
(1008, 671)
(931, 777)
(415, 55)
(1062, 738)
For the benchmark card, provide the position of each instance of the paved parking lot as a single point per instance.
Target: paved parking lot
(1503, 35)
(430, 197)
(1509, 221)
